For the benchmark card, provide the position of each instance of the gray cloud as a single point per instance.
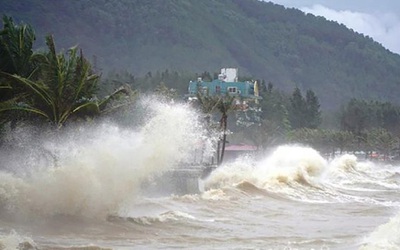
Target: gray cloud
(366, 6)
(377, 19)
(382, 27)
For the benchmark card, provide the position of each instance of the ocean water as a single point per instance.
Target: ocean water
(84, 190)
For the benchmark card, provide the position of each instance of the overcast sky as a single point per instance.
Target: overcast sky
(379, 19)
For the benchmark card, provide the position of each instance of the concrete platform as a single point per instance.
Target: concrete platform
(179, 181)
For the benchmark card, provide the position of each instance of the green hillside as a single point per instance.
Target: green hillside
(264, 40)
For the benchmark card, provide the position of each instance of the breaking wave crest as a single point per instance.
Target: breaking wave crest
(100, 168)
(386, 236)
(287, 165)
(301, 173)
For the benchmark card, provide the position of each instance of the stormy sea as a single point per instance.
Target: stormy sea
(85, 188)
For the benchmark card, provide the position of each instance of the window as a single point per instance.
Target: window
(232, 90)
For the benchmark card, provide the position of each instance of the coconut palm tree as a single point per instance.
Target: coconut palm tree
(224, 105)
(62, 87)
(16, 52)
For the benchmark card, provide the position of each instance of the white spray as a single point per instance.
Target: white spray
(100, 168)
(287, 164)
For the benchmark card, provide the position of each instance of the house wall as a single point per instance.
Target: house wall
(218, 87)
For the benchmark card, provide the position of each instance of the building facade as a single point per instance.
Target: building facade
(226, 84)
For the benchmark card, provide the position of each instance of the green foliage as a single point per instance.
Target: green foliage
(297, 110)
(153, 45)
(16, 43)
(274, 123)
(304, 112)
(343, 140)
(163, 91)
(308, 136)
(113, 81)
(282, 45)
(62, 86)
(178, 81)
(359, 115)
(354, 116)
(274, 106)
(381, 140)
(313, 112)
(328, 141)
(224, 105)
(52, 86)
(266, 134)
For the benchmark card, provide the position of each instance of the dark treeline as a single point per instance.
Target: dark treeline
(359, 125)
(282, 45)
(52, 89)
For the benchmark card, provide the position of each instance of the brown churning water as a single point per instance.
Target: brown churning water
(290, 199)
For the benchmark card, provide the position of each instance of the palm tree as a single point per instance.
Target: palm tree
(207, 104)
(224, 104)
(62, 87)
(16, 52)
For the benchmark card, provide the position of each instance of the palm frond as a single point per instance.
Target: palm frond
(122, 90)
(90, 107)
(23, 107)
(39, 91)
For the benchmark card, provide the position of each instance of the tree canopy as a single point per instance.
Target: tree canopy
(54, 86)
(284, 46)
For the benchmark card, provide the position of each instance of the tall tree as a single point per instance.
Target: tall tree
(313, 113)
(224, 105)
(16, 42)
(63, 87)
(297, 110)
(390, 117)
(354, 116)
(275, 121)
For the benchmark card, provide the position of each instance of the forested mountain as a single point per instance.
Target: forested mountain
(264, 40)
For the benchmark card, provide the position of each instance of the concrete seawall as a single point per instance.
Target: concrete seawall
(179, 181)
